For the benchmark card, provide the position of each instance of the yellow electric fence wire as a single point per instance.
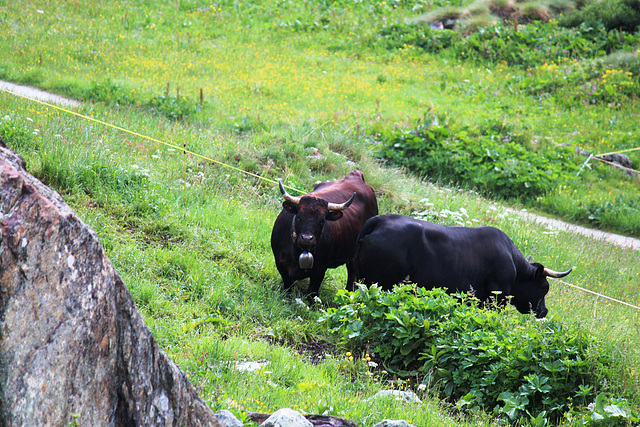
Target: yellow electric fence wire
(597, 294)
(616, 165)
(183, 149)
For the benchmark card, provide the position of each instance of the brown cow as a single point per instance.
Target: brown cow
(319, 230)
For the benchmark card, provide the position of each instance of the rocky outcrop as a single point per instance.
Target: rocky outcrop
(73, 346)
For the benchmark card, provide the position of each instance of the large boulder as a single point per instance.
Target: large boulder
(73, 346)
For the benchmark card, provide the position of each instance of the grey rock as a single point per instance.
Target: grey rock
(72, 342)
(582, 152)
(394, 423)
(227, 419)
(315, 420)
(286, 418)
(619, 159)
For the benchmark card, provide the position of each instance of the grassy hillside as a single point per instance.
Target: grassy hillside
(280, 82)
(363, 67)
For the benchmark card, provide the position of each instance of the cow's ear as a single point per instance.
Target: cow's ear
(291, 207)
(539, 270)
(334, 215)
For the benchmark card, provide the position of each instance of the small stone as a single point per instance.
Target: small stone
(394, 423)
(286, 418)
(227, 419)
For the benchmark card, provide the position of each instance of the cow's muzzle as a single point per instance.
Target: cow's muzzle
(305, 261)
(306, 240)
(541, 310)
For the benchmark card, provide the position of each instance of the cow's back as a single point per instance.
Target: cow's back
(342, 189)
(342, 234)
(392, 248)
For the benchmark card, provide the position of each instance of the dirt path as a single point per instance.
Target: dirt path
(41, 95)
(616, 239)
(555, 224)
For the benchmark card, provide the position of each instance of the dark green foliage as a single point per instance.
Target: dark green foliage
(492, 360)
(494, 162)
(175, 108)
(623, 15)
(607, 411)
(534, 44)
(109, 92)
(528, 46)
(433, 41)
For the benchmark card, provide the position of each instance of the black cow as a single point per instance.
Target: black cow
(482, 260)
(319, 230)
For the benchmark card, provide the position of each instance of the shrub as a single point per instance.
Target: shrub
(623, 209)
(397, 36)
(109, 92)
(492, 360)
(623, 15)
(175, 108)
(527, 46)
(494, 163)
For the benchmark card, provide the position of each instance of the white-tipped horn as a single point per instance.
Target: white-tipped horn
(341, 206)
(556, 274)
(288, 197)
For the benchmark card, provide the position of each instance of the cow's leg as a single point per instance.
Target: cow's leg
(350, 275)
(287, 281)
(314, 284)
(287, 284)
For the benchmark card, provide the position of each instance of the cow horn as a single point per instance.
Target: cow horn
(287, 196)
(556, 274)
(341, 206)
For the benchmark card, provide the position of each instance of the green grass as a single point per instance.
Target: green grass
(191, 238)
(264, 65)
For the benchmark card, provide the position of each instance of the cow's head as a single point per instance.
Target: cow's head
(529, 293)
(310, 215)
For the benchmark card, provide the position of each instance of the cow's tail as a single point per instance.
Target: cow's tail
(367, 229)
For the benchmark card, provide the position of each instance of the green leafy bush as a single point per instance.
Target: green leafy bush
(606, 411)
(492, 360)
(527, 46)
(108, 92)
(175, 108)
(613, 15)
(535, 44)
(494, 163)
(397, 36)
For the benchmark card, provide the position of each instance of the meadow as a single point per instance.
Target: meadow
(281, 81)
